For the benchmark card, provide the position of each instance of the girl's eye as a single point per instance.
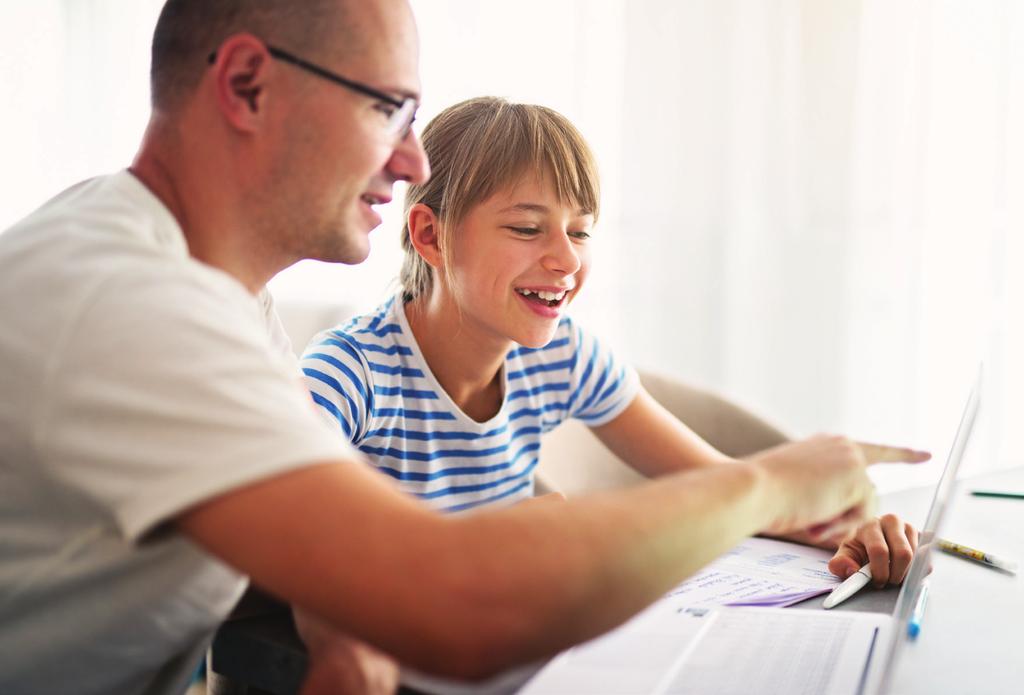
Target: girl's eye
(580, 236)
(525, 231)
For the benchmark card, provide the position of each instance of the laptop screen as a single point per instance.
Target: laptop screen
(921, 565)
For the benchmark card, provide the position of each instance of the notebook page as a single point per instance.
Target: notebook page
(746, 650)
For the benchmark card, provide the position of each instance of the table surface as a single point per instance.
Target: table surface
(968, 642)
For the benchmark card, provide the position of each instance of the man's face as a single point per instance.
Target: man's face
(338, 161)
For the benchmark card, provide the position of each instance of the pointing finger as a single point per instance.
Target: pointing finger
(878, 453)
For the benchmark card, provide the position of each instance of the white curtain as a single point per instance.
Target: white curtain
(814, 207)
(75, 76)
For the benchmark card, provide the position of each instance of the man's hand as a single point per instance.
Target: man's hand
(821, 484)
(340, 665)
(887, 542)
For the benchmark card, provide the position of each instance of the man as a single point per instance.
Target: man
(156, 449)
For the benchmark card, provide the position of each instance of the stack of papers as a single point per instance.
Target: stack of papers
(646, 653)
(758, 572)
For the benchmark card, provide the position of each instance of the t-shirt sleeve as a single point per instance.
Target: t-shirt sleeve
(168, 392)
(279, 339)
(602, 385)
(339, 378)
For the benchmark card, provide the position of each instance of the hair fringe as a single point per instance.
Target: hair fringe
(481, 146)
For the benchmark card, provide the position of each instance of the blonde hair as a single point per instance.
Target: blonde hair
(481, 146)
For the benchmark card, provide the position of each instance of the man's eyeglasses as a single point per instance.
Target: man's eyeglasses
(400, 113)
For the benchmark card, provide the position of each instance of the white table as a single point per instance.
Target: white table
(970, 639)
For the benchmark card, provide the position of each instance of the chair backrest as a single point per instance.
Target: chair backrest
(574, 461)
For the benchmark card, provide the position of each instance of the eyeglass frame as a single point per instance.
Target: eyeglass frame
(406, 107)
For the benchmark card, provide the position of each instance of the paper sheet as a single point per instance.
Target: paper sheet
(757, 572)
(652, 652)
(730, 651)
(791, 652)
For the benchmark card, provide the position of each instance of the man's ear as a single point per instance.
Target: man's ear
(424, 234)
(241, 70)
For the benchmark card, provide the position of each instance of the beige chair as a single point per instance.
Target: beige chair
(573, 460)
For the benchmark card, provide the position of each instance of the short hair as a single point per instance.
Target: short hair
(188, 31)
(480, 146)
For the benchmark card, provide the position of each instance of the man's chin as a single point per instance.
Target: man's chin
(354, 257)
(354, 252)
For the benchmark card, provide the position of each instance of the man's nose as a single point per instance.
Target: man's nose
(409, 161)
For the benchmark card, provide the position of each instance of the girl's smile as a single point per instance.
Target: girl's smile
(546, 301)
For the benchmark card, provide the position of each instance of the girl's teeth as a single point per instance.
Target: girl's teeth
(544, 294)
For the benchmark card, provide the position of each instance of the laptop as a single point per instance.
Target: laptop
(763, 650)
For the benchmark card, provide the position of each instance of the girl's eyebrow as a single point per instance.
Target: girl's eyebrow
(536, 207)
(526, 207)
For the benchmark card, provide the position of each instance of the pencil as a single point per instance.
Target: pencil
(998, 493)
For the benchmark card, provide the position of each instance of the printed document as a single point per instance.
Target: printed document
(758, 572)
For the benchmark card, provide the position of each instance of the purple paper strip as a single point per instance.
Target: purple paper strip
(781, 600)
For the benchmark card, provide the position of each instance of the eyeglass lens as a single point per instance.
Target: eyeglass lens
(400, 121)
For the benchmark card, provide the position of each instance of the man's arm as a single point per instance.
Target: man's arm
(467, 595)
(654, 442)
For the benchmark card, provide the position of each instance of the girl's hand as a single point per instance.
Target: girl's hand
(887, 542)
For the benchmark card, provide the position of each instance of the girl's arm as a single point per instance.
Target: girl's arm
(654, 442)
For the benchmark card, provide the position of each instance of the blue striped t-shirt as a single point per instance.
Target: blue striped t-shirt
(371, 382)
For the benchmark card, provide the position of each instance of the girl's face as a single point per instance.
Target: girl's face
(518, 258)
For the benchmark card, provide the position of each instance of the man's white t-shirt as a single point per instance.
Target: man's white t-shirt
(135, 382)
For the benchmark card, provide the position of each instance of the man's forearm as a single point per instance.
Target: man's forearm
(523, 583)
(467, 595)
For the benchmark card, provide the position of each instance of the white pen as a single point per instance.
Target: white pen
(854, 583)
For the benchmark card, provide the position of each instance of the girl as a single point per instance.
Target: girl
(450, 385)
